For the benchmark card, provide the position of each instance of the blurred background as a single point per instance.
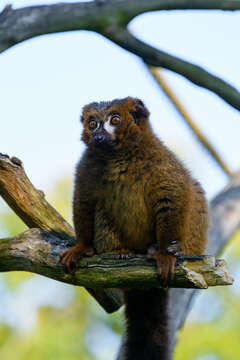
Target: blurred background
(44, 84)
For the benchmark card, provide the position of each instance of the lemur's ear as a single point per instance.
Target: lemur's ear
(82, 114)
(87, 109)
(138, 110)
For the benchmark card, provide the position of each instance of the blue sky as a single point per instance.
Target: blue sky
(45, 82)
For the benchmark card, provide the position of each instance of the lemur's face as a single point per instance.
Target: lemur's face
(112, 125)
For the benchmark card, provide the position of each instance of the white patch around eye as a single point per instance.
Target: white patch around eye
(108, 127)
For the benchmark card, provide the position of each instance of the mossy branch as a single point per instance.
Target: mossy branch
(31, 206)
(37, 251)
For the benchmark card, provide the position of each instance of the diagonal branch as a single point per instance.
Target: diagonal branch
(110, 19)
(37, 251)
(158, 58)
(31, 206)
(27, 202)
(178, 105)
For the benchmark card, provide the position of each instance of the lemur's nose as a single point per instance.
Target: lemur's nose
(99, 138)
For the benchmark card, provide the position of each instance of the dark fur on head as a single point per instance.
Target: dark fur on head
(134, 120)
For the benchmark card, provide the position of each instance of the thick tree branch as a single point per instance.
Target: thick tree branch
(158, 58)
(27, 202)
(38, 251)
(31, 206)
(110, 18)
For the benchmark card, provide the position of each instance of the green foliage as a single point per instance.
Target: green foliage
(5, 334)
(220, 335)
(61, 198)
(11, 223)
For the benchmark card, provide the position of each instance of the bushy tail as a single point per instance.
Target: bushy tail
(146, 335)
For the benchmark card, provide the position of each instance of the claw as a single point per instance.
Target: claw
(125, 254)
(69, 258)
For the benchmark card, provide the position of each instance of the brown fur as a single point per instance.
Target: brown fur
(131, 192)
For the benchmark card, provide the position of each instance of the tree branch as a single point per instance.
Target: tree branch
(110, 18)
(31, 206)
(37, 251)
(158, 58)
(27, 202)
(181, 109)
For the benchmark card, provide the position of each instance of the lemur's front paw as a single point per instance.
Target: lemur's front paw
(69, 258)
(174, 248)
(165, 264)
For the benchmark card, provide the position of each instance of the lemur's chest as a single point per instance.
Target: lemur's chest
(123, 203)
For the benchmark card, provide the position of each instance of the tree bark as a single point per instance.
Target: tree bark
(29, 203)
(38, 251)
(31, 206)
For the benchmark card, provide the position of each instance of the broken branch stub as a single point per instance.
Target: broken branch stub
(27, 202)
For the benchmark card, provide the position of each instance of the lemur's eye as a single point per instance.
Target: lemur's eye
(115, 120)
(92, 124)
